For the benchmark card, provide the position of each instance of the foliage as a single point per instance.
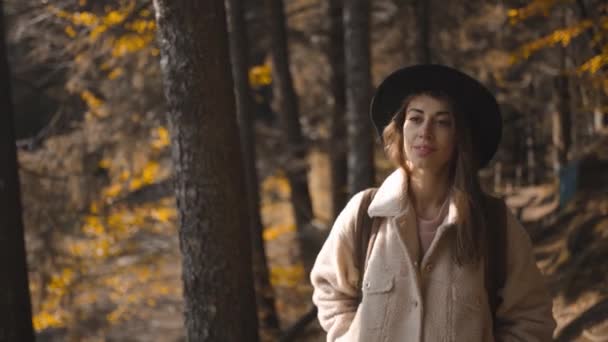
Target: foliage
(595, 29)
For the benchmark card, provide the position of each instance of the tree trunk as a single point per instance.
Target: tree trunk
(561, 117)
(358, 91)
(423, 23)
(337, 140)
(296, 169)
(15, 306)
(214, 233)
(530, 155)
(240, 66)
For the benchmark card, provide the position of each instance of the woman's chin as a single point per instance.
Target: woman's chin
(424, 166)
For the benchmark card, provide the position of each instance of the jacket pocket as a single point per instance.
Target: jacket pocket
(376, 291)
(468, 321)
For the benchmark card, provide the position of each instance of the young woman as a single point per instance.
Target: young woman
(426, 272)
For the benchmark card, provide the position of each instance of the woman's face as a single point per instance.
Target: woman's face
(429, 135)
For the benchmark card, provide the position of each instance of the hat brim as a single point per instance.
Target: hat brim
(472, 97)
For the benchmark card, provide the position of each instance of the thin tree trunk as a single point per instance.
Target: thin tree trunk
(531, 143)
(337, 141)
(530, 156)
(423, 24)
(296, 169)
(561, 117)
(15, 306)
(239, 51)
(358, 93)
(214, 233)
(561, 123)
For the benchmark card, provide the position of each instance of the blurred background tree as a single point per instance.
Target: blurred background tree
(15, 310)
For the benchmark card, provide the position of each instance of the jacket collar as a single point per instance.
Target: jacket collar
(392, 200)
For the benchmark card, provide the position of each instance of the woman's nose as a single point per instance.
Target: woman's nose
(427, 129)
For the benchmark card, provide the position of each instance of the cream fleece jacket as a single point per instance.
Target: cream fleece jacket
(435, 300)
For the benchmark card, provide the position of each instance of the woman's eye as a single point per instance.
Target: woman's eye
(415, 119)
(445, 123)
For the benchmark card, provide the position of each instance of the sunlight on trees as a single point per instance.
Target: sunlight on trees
(564, 36)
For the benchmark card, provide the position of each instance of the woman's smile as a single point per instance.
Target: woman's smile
(424, 150)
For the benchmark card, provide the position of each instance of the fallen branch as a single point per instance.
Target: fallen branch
(596, 314)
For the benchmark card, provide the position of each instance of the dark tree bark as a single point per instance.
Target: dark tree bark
(15, 306)
(296, 169)
(240, 66)
(358, 93)
(337, 140)
(423, 23)
(209, 181)
(562, 121)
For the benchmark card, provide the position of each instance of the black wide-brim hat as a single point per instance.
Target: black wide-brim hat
(471, 97)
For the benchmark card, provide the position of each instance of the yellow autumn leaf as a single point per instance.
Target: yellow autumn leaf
(114, 17)
(105, 163)
(69, 30)
(131, 43)
(93, 226)
(115, 73)
(96, 32)
(112, 191)
(84, 19)
(44, 320)
(287, 275)
(260, 75)
(124, 175)
(91, 100)
(272, 233)
(163, 214)
(161, 138)
(511, 13)
(150, 172)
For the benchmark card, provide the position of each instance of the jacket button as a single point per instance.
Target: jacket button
(367, 285)
(415, 304)
(429, 267)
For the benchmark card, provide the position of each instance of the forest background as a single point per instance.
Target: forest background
(97, 177)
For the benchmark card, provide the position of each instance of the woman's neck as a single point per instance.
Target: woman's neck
(428, 191)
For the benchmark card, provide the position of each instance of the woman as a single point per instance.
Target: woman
(426, 274)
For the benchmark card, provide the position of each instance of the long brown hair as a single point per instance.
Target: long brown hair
(471, 230)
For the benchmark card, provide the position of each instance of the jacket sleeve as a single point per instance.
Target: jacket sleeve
(334, 275)
(525, 313)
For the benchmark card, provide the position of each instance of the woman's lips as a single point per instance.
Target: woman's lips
(423, 151)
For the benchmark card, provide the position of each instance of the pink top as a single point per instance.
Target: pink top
(428, 228)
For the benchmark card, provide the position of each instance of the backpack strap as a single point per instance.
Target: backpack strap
(366, 229)
(496, 252)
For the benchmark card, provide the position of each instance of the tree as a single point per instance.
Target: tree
(358, 91)
(423, 22)
(337, 141)
(15, 307)
(214, 232)
(589, 24)
(296, 168)
(240, 65)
